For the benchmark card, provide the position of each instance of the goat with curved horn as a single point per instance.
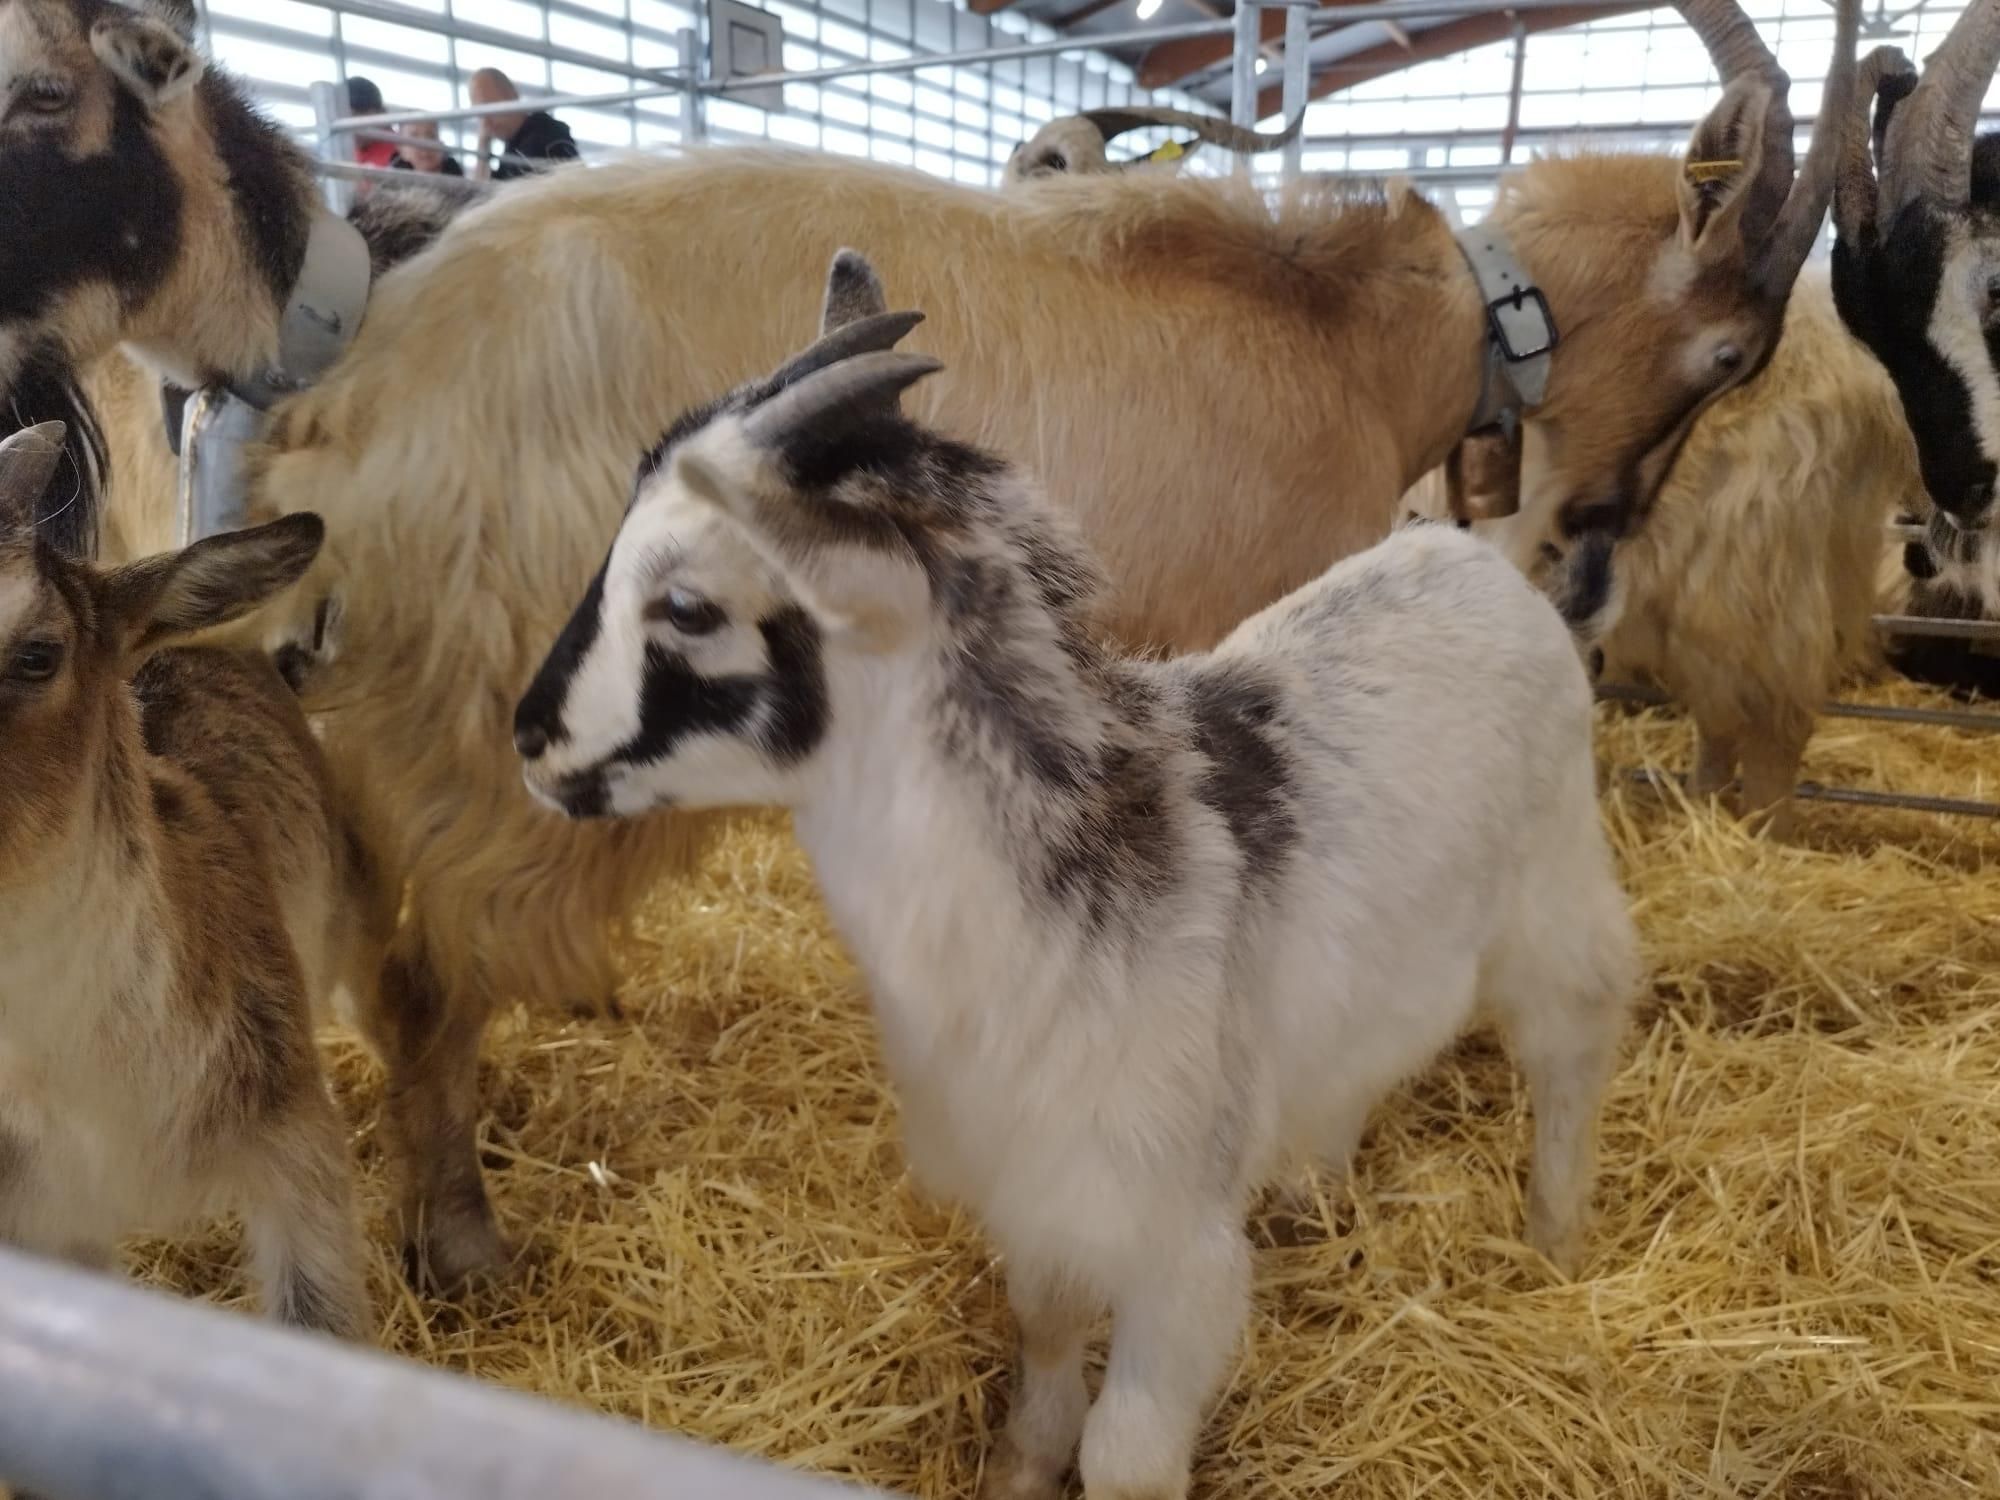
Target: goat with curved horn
(1916, 261)
(1075, 144)
(1928, 152)
(1784, 204)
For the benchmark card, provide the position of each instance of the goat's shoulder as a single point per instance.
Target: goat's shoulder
(223, 730)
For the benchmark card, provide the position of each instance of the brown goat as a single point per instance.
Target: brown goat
(174, 885)
(1746, 595)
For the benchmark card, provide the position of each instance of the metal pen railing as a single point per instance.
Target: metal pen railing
(112, 1392)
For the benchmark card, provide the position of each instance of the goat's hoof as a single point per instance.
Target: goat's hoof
(1560, 1245)
(451, 1263)
(1013, 1475)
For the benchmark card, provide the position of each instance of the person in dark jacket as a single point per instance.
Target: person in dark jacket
(527, 139)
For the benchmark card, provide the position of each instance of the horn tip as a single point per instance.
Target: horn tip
(50, 434)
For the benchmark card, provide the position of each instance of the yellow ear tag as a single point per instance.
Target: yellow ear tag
(1170, 152)
(1701, 173)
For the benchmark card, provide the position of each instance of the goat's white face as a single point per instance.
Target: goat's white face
(1068, 145)
(688, 676)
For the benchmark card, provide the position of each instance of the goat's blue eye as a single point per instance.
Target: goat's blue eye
(687, 612)
(37, 661)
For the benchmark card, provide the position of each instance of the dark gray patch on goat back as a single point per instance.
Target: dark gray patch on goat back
(1119, 849)
(1248, 779)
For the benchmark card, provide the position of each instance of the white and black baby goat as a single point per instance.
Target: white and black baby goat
(176, 887)
(1136, 931)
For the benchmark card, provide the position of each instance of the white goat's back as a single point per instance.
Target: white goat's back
(1450, 790)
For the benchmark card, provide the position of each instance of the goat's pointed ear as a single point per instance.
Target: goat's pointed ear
(28, 461)
(1721, 169)
(853, 292)
(217, 580)
(154, 61)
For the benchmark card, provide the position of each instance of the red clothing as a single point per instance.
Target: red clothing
(375, 153)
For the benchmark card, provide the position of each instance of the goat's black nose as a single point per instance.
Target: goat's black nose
(531, 740)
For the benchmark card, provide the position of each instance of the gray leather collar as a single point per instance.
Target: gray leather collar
(323, 315)
(209, 429)
(1520, 331)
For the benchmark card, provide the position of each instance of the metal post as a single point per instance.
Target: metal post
(329, 102)
(694, 111)
(1243, 77)
(111, 1392)
(1514, 92)
(1298, 72)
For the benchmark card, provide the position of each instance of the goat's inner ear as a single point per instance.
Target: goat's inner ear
(701, 479)
(154, 62)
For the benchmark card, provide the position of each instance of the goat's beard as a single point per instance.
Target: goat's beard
(1966, 562)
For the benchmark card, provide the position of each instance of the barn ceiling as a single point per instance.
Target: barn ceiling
(1343, 54)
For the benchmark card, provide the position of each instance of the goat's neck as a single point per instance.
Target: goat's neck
(1426, 334)
(921, 851)
(72, 924)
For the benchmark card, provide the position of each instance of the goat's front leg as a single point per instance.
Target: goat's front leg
(1176, 1322)
(1050, 1401)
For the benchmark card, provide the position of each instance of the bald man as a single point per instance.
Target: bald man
(526, 137)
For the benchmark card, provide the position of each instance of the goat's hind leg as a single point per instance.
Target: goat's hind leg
(304, 1236)
(1046, 1416)
(428, 1034)
(1561, 985)
(1176, 1323)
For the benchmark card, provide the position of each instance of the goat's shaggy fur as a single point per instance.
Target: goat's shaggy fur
(1225, 396)
(1135, 931)
(176, 890)
(1748, 592)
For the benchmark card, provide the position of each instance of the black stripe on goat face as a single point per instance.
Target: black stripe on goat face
(1926, 302)
(622, 720)
(113, 218)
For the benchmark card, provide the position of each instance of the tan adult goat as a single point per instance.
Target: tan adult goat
(1227, 397)
(1075, 144)
(1748, 592)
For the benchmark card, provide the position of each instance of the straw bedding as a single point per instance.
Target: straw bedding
(1793, 1287)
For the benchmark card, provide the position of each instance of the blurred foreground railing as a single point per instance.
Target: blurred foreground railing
(112, 1392)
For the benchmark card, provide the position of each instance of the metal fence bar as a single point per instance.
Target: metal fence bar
(1943, 628)
(112, 1392)
(1936, 718)
(1298, 78)
(1243, 72)
(509, 106)
(1812, 791)
(439, 24)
